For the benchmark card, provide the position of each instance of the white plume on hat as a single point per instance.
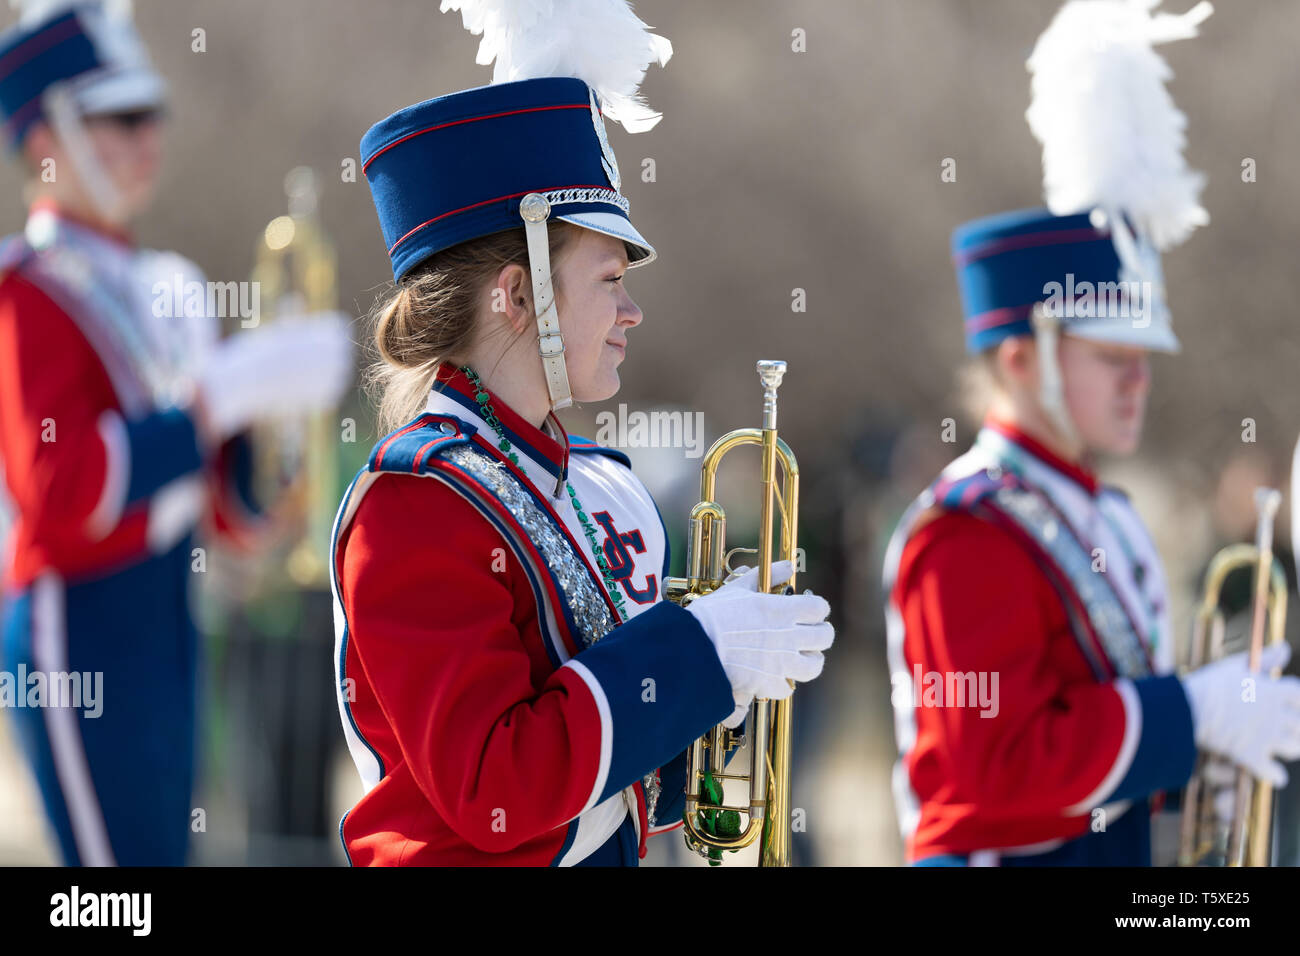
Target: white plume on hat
(601, 42)
(1112, 136)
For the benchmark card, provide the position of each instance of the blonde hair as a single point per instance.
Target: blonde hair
(429, 318)
(978, 381)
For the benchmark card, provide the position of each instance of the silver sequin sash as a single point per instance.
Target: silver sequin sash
(102, 311)
(1034, 515)
(578, 590)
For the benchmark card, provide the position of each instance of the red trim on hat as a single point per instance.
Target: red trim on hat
(49, 38)
(485, 202)
(995, 317)
(1027, 241)
(1071, 469)
(472, 119)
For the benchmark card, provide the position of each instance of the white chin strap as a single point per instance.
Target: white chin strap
(1047, 333)
(65, 120)
(535, 210)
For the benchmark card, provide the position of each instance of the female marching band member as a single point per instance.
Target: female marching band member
(1036, 711)
(121, 430)
(512, 685)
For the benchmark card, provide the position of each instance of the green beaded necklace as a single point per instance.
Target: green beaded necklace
(490, 416)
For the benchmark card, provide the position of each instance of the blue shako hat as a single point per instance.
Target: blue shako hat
(87, 50)
(457, 167)
(1011, 263)
(1118, 191)
(528, 148)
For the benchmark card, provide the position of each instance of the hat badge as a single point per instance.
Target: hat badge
(1147, 274)
(1140, 272)
(607, 159)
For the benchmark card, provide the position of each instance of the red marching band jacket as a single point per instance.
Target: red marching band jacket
(1035, 706)
(495, 709)
(99, 473)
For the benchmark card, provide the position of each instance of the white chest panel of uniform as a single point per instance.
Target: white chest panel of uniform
(161, 296)
(627, 524)
(631, 534)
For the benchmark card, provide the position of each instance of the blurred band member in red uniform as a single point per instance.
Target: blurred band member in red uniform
(121, 422)
(1036, 711)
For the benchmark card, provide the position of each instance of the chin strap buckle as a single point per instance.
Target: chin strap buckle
(552, 343)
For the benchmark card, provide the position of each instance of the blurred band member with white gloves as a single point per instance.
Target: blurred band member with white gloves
(120, 432)
(1036, 709)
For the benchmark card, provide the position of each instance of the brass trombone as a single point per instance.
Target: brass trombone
(710, 825)
(1249, 837)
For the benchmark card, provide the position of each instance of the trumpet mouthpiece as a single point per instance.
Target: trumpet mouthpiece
(1266, 505)
(1267, 501)
(770, 373)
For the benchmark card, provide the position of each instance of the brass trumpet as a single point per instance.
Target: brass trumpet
(1249, 838)
(710, 825)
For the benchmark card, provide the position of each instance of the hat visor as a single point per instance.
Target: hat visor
(639, 252)
(120, 92)
(1154, 336)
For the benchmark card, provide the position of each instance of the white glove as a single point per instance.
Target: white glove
(738, 715)
(292, 367)
(1252, 733)
(764, 640)
(1220, 778)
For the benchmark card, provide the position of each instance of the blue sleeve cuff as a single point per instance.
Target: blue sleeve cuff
(658, 684)
(163, 446)
(1166, 749)
(237, 474)
(672, 793)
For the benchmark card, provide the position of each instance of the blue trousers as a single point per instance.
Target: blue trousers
(116, 785)
(1126, 842)
(619, 850)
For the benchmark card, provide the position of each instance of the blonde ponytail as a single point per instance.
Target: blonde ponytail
(429, 318)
